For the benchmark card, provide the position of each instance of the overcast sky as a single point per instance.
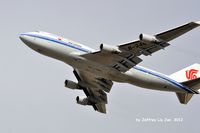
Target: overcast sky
(33, 98)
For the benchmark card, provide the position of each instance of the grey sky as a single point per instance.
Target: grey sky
(32, 93)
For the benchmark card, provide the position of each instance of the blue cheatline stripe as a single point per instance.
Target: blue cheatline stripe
(136, 67)
(59, 42)
(165, 78)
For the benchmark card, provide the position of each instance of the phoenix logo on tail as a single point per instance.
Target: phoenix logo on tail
(191, 74)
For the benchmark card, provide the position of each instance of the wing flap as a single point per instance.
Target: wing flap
(139, 48)
(121, 61)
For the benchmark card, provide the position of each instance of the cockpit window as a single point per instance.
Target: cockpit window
(53, 35)
(50, 35)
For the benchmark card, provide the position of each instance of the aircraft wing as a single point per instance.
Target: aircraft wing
(176, 32)
(94, 88)
(147, 48)
(128, 54)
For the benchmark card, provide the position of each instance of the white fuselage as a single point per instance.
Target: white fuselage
(69, 52)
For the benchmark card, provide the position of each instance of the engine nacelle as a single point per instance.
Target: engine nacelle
(148, 38)
(82, 100)
(109, 49)
(71, 84)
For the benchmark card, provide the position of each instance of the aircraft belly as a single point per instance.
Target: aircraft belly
(148, 81)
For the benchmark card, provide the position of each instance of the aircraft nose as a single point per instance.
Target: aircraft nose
(22, 37)
(26, 38)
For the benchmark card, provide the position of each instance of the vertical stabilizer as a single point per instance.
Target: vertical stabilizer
(188, 73)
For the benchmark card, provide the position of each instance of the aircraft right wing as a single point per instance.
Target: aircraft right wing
(94, 88)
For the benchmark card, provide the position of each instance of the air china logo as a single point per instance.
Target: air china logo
(191, 74)
(60, 38)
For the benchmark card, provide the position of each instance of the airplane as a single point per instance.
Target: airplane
(96, 70)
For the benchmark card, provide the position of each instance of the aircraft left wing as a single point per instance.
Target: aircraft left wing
(127, 55)
(94, 88)
(148, 44)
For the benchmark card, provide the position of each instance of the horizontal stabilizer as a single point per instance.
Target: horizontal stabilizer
(194, 84)
(184, 98)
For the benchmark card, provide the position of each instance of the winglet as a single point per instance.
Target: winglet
(197, 22)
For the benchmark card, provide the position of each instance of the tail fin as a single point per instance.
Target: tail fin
(189, 77)
(188, 73)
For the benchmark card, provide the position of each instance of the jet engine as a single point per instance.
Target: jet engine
(109, 49)
(72, 85)
(82, 100)
(148, 38)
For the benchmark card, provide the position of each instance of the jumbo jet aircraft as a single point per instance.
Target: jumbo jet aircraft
(96, 70)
